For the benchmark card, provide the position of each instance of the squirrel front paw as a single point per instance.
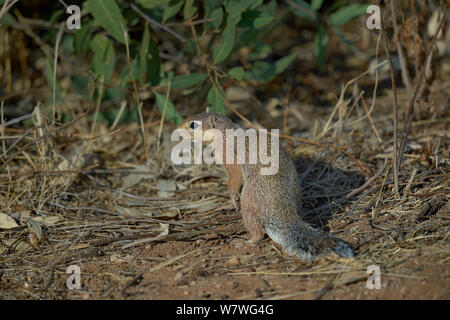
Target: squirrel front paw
(255, 240)
(237, 203)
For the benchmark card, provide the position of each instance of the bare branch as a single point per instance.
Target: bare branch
(6, 8)
(409, 115)
(394, 89)
(156, 23)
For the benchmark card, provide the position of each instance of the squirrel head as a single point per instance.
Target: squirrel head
(205, 121)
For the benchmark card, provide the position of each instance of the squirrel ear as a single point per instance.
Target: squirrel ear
(213, 121)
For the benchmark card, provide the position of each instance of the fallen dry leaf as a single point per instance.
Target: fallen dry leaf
(6, 222)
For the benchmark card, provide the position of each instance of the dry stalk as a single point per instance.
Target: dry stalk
(394, 88)
(138, 102)
(156, 23)
(409, 114)
(55, 64)
(6, 7)
(162, 118)
(405, 73)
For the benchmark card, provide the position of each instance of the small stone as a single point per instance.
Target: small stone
(178, 277)
(233, 262)
(258, 293)
(116, 259)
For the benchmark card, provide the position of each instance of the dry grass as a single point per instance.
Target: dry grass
(137, 224)
(75, 196)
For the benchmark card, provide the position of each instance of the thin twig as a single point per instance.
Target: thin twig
(18, 119)
(375, 88)
(162, 117)
(394, 88)
(365, 185)
(138, 101)
(6, 8)
(410, 181)
(405, 73)
(409, 114)
(372, 123)
(2, 134)
(310, 13)
(156, 23)
(55, 64)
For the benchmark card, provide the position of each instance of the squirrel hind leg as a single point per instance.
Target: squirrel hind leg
(253, 226)
(252, 223)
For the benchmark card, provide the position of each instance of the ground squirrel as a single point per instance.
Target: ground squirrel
(270, 203)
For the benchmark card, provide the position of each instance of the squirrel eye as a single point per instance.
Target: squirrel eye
(193, 125)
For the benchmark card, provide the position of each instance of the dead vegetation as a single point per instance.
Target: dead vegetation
(143, 228)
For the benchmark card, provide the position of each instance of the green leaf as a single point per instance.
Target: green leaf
(114, 94)
(316, 4)
(189, 91)
(68, 46)
(172, 9)
(189, 9)
(190, 47)
(8, 20)
(127, 116)
(235, 10)
(347, 13)
(215, 99)
(303, 9)
(129, 73)
(260, 71)
(171, 112)
(269, 8)
(149, 61)
(56, 15)
(255, 19)
(184, 81)
(148, 4)
(320, 46)
(223, 49)
(284, 62)
(216, 17)
(260, 51)
(212, 4)
(143, 61)
(80, 84)
(83, 37)
(49, 77)
(263, 71)
(237, 73)
(153, 64)
(345, 39)
(256, 4)
(107, 14)
(104, 59)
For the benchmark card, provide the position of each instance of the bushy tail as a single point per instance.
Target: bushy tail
(307, 243)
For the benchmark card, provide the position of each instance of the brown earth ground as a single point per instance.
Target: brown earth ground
(133, 241)
(142, 228)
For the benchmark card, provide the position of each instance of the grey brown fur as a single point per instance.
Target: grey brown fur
(271, 203)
